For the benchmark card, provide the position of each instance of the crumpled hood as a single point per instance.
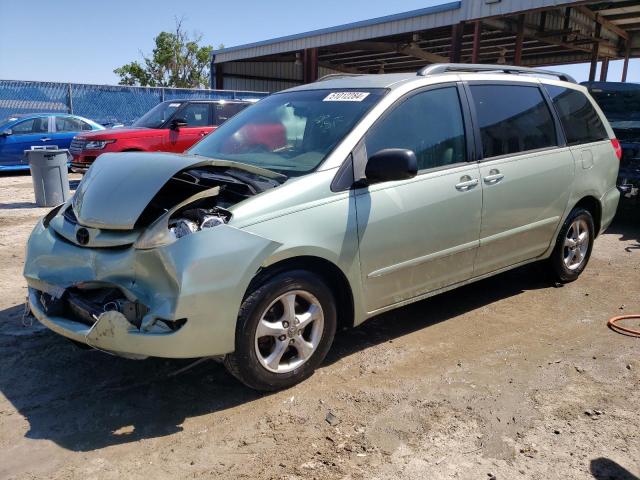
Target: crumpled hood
(118, 186)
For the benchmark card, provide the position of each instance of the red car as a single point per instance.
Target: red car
(171, 126)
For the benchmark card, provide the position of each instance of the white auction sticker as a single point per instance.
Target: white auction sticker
(346, 97)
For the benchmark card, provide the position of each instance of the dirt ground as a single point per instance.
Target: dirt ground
(508, 378)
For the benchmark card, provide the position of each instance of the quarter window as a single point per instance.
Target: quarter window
(512, 119)
(579, 119)
(429, 123)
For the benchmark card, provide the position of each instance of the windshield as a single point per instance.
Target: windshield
(289, 133)
(156, 117)
(618, 105)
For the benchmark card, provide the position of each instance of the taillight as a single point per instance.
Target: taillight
(617, 148)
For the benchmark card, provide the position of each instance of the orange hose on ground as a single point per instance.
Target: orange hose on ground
(612, 324)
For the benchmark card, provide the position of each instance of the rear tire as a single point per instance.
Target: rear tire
(573, 246)
(284, 330)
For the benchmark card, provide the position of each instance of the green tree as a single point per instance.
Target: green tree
(177, 61)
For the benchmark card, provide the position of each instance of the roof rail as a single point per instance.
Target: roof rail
(338, 75)
(476, 67)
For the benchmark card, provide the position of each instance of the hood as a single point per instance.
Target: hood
(119, 186)
(111, 133)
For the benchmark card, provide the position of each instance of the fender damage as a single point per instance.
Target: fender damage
(179, 299)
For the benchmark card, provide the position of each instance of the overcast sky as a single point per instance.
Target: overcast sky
(83, 41)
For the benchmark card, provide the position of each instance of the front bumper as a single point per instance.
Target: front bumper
(81, 161)
(200, 278)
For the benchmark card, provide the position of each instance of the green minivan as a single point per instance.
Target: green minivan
(381, 190)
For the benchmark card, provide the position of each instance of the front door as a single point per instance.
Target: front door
(421, 234)
(525, 175)
(199, 123)
(25, 135)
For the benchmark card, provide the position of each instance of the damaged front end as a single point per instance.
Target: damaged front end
(142, 272)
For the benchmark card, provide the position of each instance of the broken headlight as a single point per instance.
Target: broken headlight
(168, 228)
(195, 219)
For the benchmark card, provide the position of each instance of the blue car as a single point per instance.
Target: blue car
(22, 132)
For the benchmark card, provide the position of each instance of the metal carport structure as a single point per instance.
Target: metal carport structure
(516, 32)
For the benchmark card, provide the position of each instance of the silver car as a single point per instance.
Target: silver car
(322, 206)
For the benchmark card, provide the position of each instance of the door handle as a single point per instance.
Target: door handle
(494, 176)
(466, 183)
(45, 139)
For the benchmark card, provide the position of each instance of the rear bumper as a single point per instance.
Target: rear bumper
(609, 202)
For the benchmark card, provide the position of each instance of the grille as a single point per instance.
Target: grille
(77, 144)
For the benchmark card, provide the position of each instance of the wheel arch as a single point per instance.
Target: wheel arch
(333, 276)
(593, 206)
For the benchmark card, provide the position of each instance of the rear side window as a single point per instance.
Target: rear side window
(224, 111)
(429, 123)
(579, 119)
(512, 119)
(67, 124)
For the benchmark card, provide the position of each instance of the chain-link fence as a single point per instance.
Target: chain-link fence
(101, 103)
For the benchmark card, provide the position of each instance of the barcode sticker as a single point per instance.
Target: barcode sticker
(346, 97)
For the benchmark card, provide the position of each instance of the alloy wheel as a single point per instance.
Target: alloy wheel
(289, 331)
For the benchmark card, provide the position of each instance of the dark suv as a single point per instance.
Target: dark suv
(620, 103)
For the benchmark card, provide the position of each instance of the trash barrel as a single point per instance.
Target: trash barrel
(49, 175)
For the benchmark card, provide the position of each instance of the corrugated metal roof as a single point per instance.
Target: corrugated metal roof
(375, 27)
(414, 20)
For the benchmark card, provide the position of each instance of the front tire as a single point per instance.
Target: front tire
(573, 246)
(285, 328)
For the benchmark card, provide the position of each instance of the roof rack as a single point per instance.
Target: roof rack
(476, 67)
(331, 76)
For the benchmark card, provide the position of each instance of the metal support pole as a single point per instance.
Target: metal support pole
(212, 72)
(625, 65)
(567, 22)
(70, 98)
(517, 59)
(604, 69)
(456, 42)
(543, 21)
(310, 65)
(217, 76)
(594, 54)
(477, 32)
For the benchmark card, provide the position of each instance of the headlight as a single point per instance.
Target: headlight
(183, 219)
(166, 230)
(97, 144)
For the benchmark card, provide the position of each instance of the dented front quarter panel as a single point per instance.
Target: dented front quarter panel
(197, 277)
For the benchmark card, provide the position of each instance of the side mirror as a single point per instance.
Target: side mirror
(391, 164)
(177, 123)
(6, 133)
